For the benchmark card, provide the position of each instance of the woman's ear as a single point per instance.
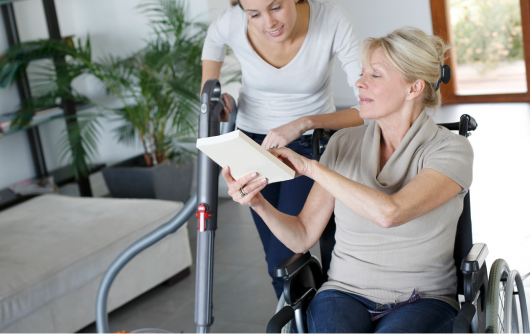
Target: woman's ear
(416, 89)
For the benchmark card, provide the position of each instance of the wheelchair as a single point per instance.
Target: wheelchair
(487, 304)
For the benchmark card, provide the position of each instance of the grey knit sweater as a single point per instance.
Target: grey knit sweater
(386, 265)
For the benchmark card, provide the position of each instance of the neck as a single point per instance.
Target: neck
(302, 23)
(396, 125)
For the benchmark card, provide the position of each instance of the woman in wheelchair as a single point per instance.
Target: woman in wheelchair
(396, 186)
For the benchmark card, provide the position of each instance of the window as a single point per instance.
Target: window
(490, 57)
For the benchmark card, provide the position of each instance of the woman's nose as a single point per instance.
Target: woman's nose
(360, 83)
(269, 21)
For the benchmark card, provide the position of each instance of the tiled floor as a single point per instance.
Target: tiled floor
(244, 300)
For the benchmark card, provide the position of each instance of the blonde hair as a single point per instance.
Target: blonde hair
(416, 55)
(241, 6)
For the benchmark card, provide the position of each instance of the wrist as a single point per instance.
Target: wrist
(258, 205)
(305, 123)
(312, 169)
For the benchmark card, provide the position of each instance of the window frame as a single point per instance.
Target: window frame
(441, 27)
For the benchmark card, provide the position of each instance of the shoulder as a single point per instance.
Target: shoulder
(232, 13)
(331, 12)
(335, 23)
(446, 139)
(230, 19)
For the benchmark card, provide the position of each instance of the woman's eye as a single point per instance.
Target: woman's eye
(375, 76)
(276, 8)
(254, 16)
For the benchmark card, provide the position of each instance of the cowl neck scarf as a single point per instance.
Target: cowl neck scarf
(390, 179)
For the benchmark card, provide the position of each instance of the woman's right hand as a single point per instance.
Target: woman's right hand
(252, 197)
(229, 105)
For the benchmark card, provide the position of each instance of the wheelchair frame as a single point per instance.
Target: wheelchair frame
(481, 311)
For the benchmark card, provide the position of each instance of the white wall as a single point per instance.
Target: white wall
(376, 18)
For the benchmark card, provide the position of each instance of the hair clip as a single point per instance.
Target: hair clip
(445, 75)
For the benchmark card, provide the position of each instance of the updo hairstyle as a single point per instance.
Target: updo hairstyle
(239, 3)
(416, 55)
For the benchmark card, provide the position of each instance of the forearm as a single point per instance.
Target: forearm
(369, 203)
(210, 70)
(288, 229)
(334, 121)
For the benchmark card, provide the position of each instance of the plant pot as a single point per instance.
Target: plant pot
(132, 179)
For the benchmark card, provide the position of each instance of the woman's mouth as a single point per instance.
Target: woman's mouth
(277, 32)
(364, 100)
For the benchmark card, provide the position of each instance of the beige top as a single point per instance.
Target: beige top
(386, 264)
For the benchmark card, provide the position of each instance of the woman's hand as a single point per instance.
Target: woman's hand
(300, 164)
(243, 192)
(229, 105)
(285, 134)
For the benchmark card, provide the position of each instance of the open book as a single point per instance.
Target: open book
(243, 156)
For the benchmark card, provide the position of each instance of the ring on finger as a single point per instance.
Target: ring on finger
(272, 147)
(242, 192)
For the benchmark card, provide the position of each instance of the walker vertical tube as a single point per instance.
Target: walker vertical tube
(207, 193)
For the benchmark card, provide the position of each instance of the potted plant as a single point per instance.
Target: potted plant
(158, 89)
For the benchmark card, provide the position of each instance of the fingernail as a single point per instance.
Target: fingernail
(225, 167)
(264, 181)
(254, 174)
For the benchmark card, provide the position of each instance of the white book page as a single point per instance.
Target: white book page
(243, 156)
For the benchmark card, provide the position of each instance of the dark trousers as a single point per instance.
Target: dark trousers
(288, 197)
(334, 311)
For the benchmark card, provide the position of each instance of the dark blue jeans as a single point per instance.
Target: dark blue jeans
(288, 197)
(334, 311)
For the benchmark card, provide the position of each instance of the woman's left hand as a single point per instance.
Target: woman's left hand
(300, 164)
(283, 135)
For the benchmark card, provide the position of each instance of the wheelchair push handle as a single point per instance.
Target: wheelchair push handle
(466, 124)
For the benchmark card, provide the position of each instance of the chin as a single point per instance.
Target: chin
(364, 114)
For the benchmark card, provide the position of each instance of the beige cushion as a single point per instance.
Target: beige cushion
(53, 245)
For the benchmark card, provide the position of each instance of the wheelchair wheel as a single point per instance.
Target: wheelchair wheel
(496, 297)
(502, 309)
(514, 280)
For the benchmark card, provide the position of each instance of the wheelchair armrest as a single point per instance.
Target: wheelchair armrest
(475, 289)
(290, 266)
(303, 276)
(474, 259)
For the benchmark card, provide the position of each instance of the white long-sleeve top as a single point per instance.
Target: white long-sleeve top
(271, 97)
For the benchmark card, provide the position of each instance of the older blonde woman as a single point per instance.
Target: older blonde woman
(396, 186)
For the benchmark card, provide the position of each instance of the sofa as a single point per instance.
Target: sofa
(55, 249)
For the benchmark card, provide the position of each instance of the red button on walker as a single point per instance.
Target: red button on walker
(202, 215)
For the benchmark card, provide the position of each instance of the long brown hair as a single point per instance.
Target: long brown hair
(239, 3)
